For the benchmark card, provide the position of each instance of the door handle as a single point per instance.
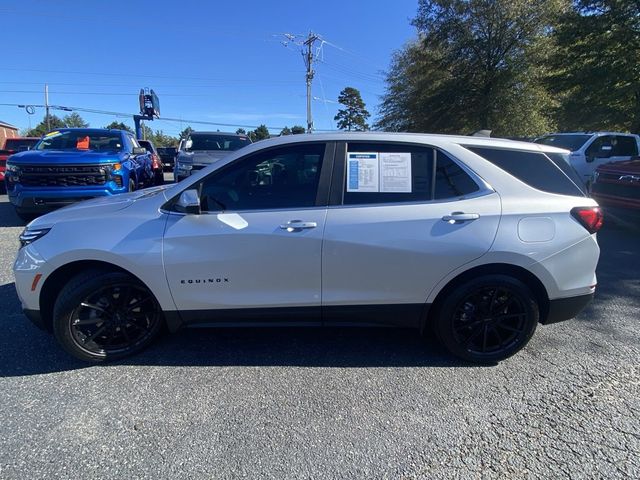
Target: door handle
(460, 217)
(297, 225)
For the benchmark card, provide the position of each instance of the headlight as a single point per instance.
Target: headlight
(13, 168)
(31, 235)
(184, 166)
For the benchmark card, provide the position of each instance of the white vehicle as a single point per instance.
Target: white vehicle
(589, 150)
(480, 239)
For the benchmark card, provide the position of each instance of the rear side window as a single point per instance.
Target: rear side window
(533, 168)
(624, 147)
(396, 173)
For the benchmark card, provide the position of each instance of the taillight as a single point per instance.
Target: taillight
(589, 217)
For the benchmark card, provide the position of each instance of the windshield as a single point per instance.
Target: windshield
(568, 142)
(226, 143)
(81, 140)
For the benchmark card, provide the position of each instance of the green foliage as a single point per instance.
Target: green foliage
(119, 126)
(297, 130)
(241, 131)
(475, 65)
(595, 71)
(185, 133)
(354, 115)
(74, 120)
(260, 133)
(54, 122)
(285, 131)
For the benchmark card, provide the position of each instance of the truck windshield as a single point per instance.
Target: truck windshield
(81, 140)
(568, 142)
(218, 142)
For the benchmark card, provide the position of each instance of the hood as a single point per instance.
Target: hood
(67, 157)
(625, 167)
(97, 207)
(204, 157)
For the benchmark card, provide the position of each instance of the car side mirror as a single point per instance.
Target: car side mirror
(139, 150)
(188, 144)
(189, 202)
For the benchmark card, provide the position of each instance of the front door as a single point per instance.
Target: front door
(255, 250)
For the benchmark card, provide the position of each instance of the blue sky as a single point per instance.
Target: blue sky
(211, 61)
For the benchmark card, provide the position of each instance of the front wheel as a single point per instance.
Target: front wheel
(132, 185)
(487, 319)
(101, 315)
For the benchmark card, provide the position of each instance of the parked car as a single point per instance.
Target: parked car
(480, 239)
(201, 149)
(168, 157)
(72, 164)
(617, 189)
(589, 150)
(156, 162)
(11, 146)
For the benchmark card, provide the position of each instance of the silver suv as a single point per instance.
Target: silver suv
(480, 239)
(201, 149)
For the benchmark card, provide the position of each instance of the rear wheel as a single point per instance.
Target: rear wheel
(101, 315)
(487, 319)
(24, 216)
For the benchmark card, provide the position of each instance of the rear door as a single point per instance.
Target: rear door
(401, 217)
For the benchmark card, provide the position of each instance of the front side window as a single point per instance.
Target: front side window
(396, 173)
(595, 149)
(81, 140)
(279, 178)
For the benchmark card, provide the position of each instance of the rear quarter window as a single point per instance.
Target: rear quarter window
(533, 168)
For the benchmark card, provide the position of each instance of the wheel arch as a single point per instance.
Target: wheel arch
(515, 271)
(56, 281)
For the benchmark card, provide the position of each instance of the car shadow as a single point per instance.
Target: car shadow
(27, 350)
(8, 217)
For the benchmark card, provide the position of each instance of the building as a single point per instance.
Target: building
(7, 131)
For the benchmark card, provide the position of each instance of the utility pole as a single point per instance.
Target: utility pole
(308, 62)
(46, 106)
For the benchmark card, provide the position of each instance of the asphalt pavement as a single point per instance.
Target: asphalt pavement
(334, 403)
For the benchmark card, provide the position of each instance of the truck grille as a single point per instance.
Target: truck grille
(63, 175)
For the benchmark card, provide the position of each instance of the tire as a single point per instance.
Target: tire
(508, 312)
(132, 185)
(158, 177)
(101, 315)
(24, 216)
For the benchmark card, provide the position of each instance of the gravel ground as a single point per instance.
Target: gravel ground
(329, 403)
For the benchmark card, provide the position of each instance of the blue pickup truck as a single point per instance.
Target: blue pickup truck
(72, 164)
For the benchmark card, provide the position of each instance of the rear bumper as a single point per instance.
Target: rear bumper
(562, 309)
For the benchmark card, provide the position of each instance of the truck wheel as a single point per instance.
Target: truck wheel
(101, 315)
(24, 216)
(487, 319)
(158, 177)
(132, 185)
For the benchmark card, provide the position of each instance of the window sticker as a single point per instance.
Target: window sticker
(82, 143)
(363, 171)
(395, 172)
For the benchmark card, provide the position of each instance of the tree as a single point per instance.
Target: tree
(285, 131)
(119, 126)
(241, 131)
(260, 133)
(354, 115)
(74, 120)
(477, 64)
(596, 70)
(41, 129)
(185, 133)
(297, 130)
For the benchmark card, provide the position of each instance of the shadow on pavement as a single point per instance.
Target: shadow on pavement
(8, 217)
(25, 350)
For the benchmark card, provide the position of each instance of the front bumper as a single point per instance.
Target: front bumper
(45, 200)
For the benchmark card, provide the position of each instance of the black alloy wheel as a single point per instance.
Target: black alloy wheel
(107, 316)
(488, 319)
